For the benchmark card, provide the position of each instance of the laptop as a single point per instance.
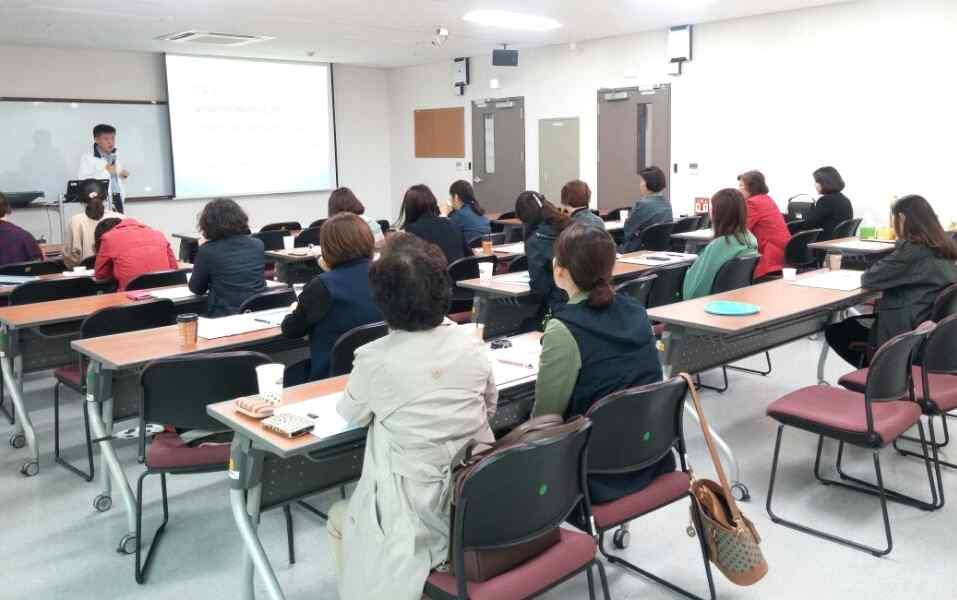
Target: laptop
(73, 189)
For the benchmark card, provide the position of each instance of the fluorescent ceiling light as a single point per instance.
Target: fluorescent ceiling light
(510, 20)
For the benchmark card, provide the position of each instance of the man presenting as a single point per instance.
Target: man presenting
(102, 164)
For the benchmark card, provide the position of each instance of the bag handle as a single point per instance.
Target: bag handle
(706, 432)
(467, 454)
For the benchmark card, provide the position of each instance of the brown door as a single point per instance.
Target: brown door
(634, 132)
(498, 152)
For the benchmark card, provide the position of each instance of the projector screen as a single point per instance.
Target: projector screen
(247, 127)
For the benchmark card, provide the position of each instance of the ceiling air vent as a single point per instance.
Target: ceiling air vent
(213, 38)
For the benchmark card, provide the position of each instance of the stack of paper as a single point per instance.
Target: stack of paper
(211, 329)
(78, 273)
(522, 277)
(322, 412)
(516, 248)
(659, 258)
(16, 279)
(518, 363)
(174, 293)
(844, 281)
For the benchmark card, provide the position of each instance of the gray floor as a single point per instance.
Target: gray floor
(53, 544)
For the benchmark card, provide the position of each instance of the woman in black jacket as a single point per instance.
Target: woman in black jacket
(420, 216)
(542, 222)
(832, 207)
(921, 266)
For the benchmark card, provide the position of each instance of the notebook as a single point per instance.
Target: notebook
(844, 281)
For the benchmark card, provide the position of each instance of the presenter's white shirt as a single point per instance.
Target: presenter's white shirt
(93, 167)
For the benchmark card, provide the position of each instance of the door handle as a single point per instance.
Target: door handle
(476, 180)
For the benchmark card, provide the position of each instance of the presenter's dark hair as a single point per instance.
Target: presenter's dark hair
(410, 283)
(589, 255)
(729, 215)
(754, 182)
(343, 200)
(654, 178)
(532, 209)
(222, 218)
(829, 179)
(921, 226)
(90, 193)
(463, 189)
(345, 237)
(418, 201)
(4, 206)
(576, 194)
(102, 129)
(101, 228)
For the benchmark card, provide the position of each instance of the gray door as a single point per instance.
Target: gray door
(559, 156)
(498, 152)
(634, 132)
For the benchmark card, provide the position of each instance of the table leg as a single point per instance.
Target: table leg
(11, 364)
(822, 358)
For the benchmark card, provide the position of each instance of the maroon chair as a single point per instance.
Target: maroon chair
(553, 473)
(176, 392)
(616, 448)
(872, 420)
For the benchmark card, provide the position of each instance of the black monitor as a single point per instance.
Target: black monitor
(73, 188)
(21, 199)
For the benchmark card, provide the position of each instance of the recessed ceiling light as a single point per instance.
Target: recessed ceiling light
(510, 20)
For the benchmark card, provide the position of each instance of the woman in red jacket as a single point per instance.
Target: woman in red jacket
(126, 249)
(766, 222)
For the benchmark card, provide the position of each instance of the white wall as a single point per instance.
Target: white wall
(865, 86)
(362, 125)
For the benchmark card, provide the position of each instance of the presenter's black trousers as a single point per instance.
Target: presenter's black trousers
(118, 203)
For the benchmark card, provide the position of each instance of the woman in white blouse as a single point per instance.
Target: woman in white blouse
(78, 237)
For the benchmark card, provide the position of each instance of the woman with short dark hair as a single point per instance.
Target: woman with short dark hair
(576, 195)
(651, 208)
(16, 243)
(339, 299)
(766, 222)
(596, 344)
(543, 222)
(466, 212)
(729, 218)
(230, 263)
(424, 390)
(80, 231)
(420, 216)
(832, 207)
(343, 200)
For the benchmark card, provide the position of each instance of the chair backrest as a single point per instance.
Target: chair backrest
(686, 224)
(177, 390)
(497, 238)
(514, 234)
(89, 262)
(344, 350)
(546, 483)
(945, 304)
(519, 263)
(639, 288)
(636, 427)
(797, 253)
(736, 273)
(307, 237)
(798, 210)
(506, 215)
(283, 226)
(940, 349)
(317, 223)
(795, 226)
(846, 228)
(278, 298)
(615, 214)
(272, 240)
(667, 287)
(889, 375)
(384, 225)
(53, 289)
(157, 279)
(657, 237)
(131, 317)
(37, 267)
(704, 220)
(467, 267)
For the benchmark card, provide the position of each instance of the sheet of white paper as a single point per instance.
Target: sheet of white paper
(659, 258)
(322, 412)
(211, 329)
(83, 273)
(520, 362)
(275, 284)
(845, 281)
(700, 234)
(174, 293)
(871, 245)
(516, 248)
(613, 225)
(520, 277)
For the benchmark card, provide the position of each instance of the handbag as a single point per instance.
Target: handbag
(732, 541)
(482, 565)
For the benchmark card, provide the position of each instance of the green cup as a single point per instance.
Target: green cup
(867, 233)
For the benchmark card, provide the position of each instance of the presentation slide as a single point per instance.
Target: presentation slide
(248, 127)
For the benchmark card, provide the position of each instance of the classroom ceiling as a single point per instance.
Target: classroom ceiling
(382, 33)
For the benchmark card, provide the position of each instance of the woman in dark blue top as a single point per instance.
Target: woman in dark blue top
(543, 222)
(340, 298)
(230, 264)
(467, 214)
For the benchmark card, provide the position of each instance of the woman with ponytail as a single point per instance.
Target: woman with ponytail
(596, 344)
(542, 222)
(466, 212)
(79, 235)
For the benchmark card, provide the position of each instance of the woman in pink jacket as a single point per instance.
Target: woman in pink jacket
(766, 222)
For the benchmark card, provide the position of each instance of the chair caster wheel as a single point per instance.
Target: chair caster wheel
(740, 491)
(127, 544)
(29, 469)
(102, 503)
(18, 440)
(621, 539)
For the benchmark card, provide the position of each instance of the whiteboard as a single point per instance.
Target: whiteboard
(43, 143)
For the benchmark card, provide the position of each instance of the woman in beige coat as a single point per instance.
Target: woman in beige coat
(425, 390)
(78, 237)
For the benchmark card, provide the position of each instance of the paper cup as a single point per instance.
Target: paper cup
(867, 232)
(270, 381)
(288, 242)
(485, 271)
(624, 215)
(789, 274)
(834, 262)
(79, 270)
(479, 331)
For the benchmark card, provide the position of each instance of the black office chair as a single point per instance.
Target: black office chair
(795, 226)
(945, 304)
(176, 392)
(846, 229)
(518, 263)
(497, 240)
(797, 254)
(507, 215)
(53, 289)
(343, 351)
(286, 226)
(317, 223)
(38, 267)
(667, 286)
(615, 213)
(106, 321)
(657, 237)
(704, 220)
(797, 210)
(514, 234)
(684, 225)
(89, 262)
(148, 281)
(639, 289)
(272, 240)
(271, 298)
(460, 270)
(385, 225)
(308, 237)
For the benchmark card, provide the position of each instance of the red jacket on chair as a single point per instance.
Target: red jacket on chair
(131, 249)
(767, 224)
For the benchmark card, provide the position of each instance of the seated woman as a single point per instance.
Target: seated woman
(81, 229)
(467, 214)
(543, 222)
(731, 240)
(339, 299)
(652, 208)
(911, 277)
(420, 216)
(832, 207)
(596, 344)
(766, 222)
(16, 243)
(343, 200)
(394, 529)
(576, 195)
(126, 249)
(230, 264)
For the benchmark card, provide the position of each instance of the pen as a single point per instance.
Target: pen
(515, 363)
(266, 321)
